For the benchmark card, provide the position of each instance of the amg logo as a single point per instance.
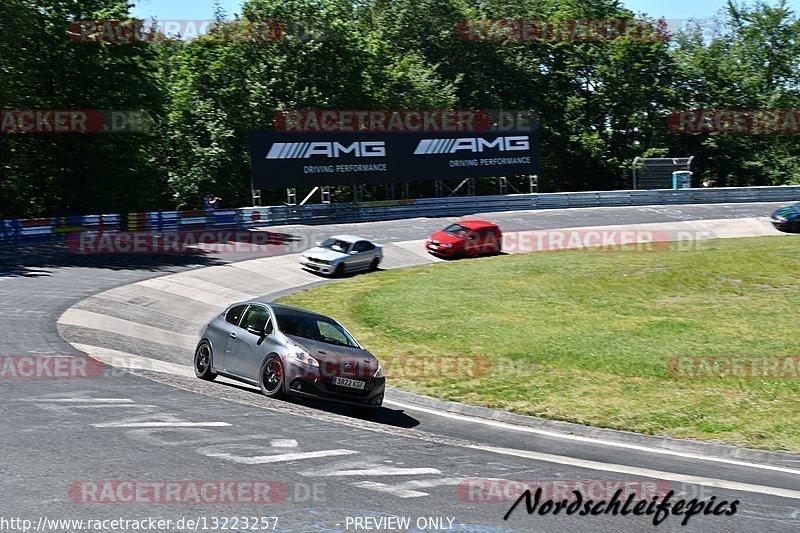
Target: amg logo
(326, 149)
(472, 144)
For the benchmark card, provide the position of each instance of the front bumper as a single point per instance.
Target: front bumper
(308, 381)
(324, 389)
(316, 267)
(787, 226)
(438, 249)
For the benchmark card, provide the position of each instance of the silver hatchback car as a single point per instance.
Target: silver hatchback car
(289, 351)
(342, 253)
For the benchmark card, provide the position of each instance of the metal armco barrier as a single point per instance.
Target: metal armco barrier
(457, 206)
(28, 231)
(51, 229)
(183, 220)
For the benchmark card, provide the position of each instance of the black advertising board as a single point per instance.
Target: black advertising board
(292, 159)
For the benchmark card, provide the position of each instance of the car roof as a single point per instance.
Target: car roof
(476, 224)
(348, 238)
(278, 307)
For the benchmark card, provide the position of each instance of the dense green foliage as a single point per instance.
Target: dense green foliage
(601, 103)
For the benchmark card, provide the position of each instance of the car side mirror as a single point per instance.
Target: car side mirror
(354, 252)
(255, 331)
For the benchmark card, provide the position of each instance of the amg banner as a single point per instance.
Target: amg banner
(287, 159)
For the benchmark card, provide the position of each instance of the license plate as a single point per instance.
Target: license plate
(351, 383)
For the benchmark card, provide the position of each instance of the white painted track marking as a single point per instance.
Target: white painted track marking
(280, 458)
(161, 424)
(643, 472)
(76, 400)
(592, 440)
(284, 443)
(406, 489)
(383, 471)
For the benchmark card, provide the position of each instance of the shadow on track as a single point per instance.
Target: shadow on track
(388, 417)
(37, 260)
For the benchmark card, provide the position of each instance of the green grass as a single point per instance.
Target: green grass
(587, 336)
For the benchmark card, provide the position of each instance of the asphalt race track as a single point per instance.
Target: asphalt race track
(326, 471)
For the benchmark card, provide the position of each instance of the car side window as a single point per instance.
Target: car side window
(256, 317)
(235, 314)
(363, 246)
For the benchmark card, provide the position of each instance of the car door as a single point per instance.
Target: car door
(473, 242)
(365, 252)
(252, 342)
(220, 331)
(488, 239)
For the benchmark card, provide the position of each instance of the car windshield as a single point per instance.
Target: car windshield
(455, 229)
(314, 327)
(336, 245)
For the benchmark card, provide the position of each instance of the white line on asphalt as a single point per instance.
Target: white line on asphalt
(284, 443)
(389, 489)
(644, 472)
(406, 489)
(76, 400)
(280, 458)
(162, 425)
(383, 471)
(592, 440)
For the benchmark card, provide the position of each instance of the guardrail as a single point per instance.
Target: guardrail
(183, 220)
(51, 229)
(28, 231)
(457, 206)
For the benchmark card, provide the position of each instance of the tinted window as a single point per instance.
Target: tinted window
(455, 229)
(363, 246)
(313, 327)
(256, 317)
(330, 333)
(234, 314)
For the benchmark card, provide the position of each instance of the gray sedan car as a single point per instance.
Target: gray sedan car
(289, 351)
(342, 253)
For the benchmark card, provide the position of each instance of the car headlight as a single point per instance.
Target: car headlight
(778, 218)
(298, 355)
(323, 261)
(446, 245)
(379, 372)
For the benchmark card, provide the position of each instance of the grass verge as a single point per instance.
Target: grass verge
(589, 337)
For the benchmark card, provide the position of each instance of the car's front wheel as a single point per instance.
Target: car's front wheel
(339, 272)
(271, 377)
(202, 362)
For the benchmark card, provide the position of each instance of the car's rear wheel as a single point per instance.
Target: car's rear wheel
(363, 411)
(202, 362)
(339, 270)
(271, 377)
(374, 265)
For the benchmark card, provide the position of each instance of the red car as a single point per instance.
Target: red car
(468, 237)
